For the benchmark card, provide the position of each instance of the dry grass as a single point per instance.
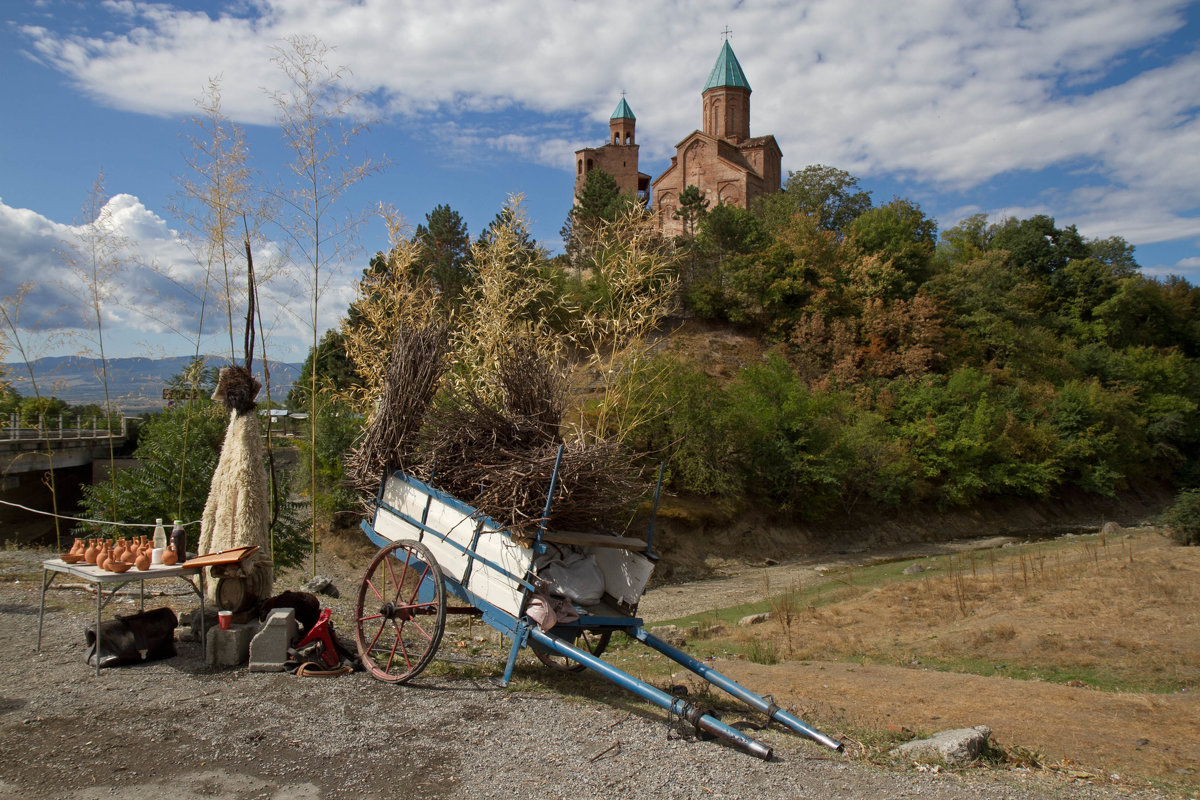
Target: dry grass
(1082, 651)
(1113, 614)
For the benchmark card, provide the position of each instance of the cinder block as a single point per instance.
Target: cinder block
(230, 648)
(269, 647)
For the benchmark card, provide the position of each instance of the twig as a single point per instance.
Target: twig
(614, 746)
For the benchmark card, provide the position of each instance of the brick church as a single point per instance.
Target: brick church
(721, 159)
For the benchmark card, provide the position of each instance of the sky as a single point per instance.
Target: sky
(1085, 110)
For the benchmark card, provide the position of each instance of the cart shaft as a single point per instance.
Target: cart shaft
(748, 697)
(676, 706)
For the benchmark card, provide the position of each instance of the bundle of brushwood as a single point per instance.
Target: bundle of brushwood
(502, 462)
(495, 453)
(418, 361)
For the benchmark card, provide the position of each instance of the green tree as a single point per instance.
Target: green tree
(728, 229)
(902, 235)
(506, 220)
(966, 241)
(693, 205)
(1036, 246)
(333, 370)
(598, 202)
(48, 407)
(830, 195)
(445, 252)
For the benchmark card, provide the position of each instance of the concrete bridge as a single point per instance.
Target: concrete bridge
(68, 444)
(57, 443)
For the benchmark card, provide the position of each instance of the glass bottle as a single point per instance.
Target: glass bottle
(160, 535)
(179, 540)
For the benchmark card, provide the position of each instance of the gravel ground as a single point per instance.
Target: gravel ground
(174, 728)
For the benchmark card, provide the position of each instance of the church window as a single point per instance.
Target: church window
(589, 165)
(579, 167)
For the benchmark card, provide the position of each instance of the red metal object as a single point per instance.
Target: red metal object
(318, 642)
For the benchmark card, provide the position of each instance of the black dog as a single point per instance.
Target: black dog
(133, 638)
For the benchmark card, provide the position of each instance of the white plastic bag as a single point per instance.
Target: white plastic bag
(575, 576)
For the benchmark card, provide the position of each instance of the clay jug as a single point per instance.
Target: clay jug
(170, 556)
(90, 553)
(118, 552)
(143, 559)
(78, 548)
(102, 557)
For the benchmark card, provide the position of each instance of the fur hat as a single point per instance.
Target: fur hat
(238, 388)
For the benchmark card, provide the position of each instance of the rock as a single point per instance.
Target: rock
(754, 619)
(714, 630)
(320, 584)
(1111, 529)
(914, 569)
(669, 634)
(952, 747)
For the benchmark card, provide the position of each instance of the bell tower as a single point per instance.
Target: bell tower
(621, 124)
(725, 106)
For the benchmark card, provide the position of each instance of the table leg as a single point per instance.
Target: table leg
(99, 605)
(42, 606)
(203, 622)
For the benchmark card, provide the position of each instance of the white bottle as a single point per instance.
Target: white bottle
(160, 535)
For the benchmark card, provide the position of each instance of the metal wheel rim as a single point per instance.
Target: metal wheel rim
(397, 632)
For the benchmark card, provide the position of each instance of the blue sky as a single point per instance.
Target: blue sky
(1083, 110)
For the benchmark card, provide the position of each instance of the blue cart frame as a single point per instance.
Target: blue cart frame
(433, 544)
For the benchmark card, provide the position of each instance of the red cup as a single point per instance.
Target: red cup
(224, 619)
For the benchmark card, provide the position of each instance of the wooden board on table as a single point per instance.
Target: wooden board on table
(224, 557)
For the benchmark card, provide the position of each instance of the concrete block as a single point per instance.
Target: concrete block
(269, 647)
(230, 648)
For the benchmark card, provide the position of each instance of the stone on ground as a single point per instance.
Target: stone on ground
(954, 747)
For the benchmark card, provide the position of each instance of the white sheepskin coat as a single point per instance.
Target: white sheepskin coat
(237, 512)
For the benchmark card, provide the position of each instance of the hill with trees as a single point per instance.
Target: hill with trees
(995, 360)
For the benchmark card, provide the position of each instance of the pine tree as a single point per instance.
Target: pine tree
(445, 252)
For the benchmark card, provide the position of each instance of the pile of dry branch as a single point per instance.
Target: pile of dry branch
(495, 454)
(418, 360)
(502, 463)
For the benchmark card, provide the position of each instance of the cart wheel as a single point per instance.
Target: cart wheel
(400, 612)
(591, 641)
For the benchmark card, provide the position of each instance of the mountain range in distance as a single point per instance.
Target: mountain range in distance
(134, 384)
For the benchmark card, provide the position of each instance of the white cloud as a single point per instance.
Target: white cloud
(152, 301)
(935, 91)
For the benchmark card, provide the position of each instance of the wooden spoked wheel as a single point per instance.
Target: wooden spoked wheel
(400, 612)
(591, 641)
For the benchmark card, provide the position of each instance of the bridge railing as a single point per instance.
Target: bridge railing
(65, 427)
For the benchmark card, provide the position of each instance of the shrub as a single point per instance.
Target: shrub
(1182, 519)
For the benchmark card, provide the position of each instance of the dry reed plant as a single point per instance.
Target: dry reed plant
(492, 435)
(512, 298)
(389, 302)
(634, 270)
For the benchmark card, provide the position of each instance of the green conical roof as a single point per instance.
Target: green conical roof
(623, 111)
(727, 71)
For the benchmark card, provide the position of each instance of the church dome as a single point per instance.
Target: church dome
(727, 72)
